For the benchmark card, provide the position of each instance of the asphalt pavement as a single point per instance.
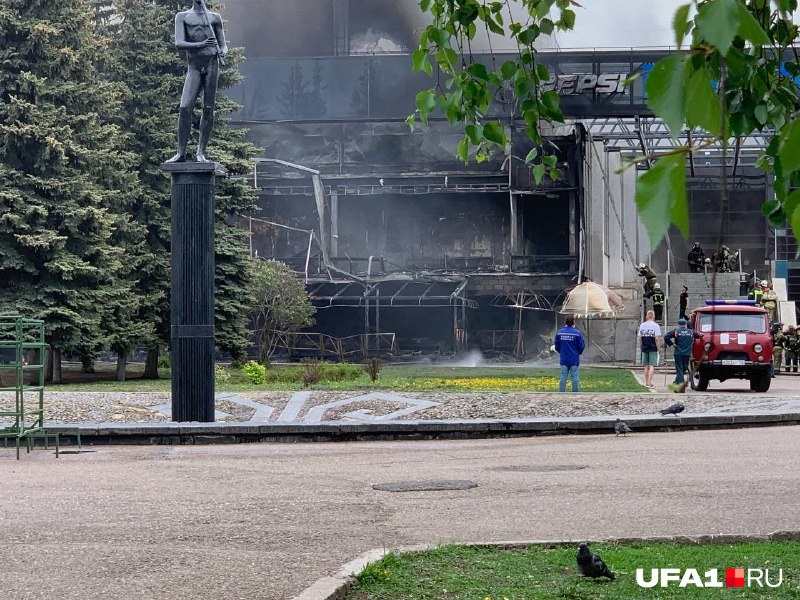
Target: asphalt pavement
(266, 520)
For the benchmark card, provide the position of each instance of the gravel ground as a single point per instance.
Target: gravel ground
(537, 405)
(95, 407)
(236, 411)
(247, 521)
(279, 400)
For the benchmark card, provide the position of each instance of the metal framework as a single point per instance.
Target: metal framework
(416, 189)
(340, 348)
(22, 374)
(391, 293)
(645, 136)
(521, 300)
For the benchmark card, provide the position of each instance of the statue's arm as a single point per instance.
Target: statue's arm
(223, 46)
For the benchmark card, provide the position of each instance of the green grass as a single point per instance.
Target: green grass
(477, 573)
(408, 378)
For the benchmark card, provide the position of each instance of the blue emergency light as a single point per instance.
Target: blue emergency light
(735, 302)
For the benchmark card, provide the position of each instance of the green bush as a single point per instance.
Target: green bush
(340, 372)
(221, 374)
(164, 362)
(327, 371)
(256, 373)
(284, 375)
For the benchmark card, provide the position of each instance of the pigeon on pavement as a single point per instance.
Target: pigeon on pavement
(621, 427)
(590, 564)
(673, 409)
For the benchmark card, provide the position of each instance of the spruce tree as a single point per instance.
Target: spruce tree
(152, 72)
(63, 177)
(144, 63)
(234, 277)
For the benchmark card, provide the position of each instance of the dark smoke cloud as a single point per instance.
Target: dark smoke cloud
(305, 27)
(280, 27)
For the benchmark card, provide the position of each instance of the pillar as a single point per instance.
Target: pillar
(192, 289)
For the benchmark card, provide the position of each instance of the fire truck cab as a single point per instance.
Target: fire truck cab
(735, 343)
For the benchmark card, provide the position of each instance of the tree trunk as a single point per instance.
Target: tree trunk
(57, 366)
(151, 364)
(122, 364)
(48, 364)
(87, 364)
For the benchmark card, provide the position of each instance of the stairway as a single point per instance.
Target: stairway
(726, 288)
(616, 340)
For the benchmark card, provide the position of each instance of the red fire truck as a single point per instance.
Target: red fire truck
(735, 343)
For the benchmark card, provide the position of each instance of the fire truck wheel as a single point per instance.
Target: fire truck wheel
(759, 382)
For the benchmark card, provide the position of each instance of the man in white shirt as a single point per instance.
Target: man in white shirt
(649, 334)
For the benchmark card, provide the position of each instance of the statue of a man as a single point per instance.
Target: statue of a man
(199, 32)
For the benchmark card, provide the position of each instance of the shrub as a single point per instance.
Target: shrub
(164, 362)
(340, 372)
(284, 375)
(312, 372)
(256, 373)
(372, 366)
(282, 306)
(221, 374)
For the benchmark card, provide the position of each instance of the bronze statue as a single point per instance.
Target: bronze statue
(199, 32)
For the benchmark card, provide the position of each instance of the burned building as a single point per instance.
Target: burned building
(400, 244)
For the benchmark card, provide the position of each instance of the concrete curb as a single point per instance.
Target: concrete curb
(173, 433)
(336, 587)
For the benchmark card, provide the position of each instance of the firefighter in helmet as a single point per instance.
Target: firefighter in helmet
(769, 300)
(696, 258)
(657, 298)
(649, 277)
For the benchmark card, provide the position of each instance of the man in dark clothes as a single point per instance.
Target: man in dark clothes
(570, 345)
(683, 303)
(696, 258)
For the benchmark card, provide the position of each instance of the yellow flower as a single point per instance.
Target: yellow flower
(496, 383)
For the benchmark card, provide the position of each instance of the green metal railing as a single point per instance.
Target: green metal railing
(22, 357)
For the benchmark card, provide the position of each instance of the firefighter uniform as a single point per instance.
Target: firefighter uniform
(657, 297)
(649, 277)
(769, 300)
(696, 258)
(777, 350)
(722, 260)
(791, 349)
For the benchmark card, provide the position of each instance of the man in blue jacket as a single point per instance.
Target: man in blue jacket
(569, 344)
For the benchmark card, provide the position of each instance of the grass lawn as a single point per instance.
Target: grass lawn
(408, 378)
(480, 573)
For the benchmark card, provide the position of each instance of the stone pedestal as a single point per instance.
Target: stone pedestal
(192, 290)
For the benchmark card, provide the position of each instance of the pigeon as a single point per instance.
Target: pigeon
(591, 565)
(621, 427)
(673, 409)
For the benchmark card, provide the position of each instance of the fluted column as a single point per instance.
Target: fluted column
(192, 289)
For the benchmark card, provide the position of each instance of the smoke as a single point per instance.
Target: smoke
(473, 358)
(375, 42)
(300, 28)
(280, 27)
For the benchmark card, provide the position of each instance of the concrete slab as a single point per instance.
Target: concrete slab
(268, 520)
